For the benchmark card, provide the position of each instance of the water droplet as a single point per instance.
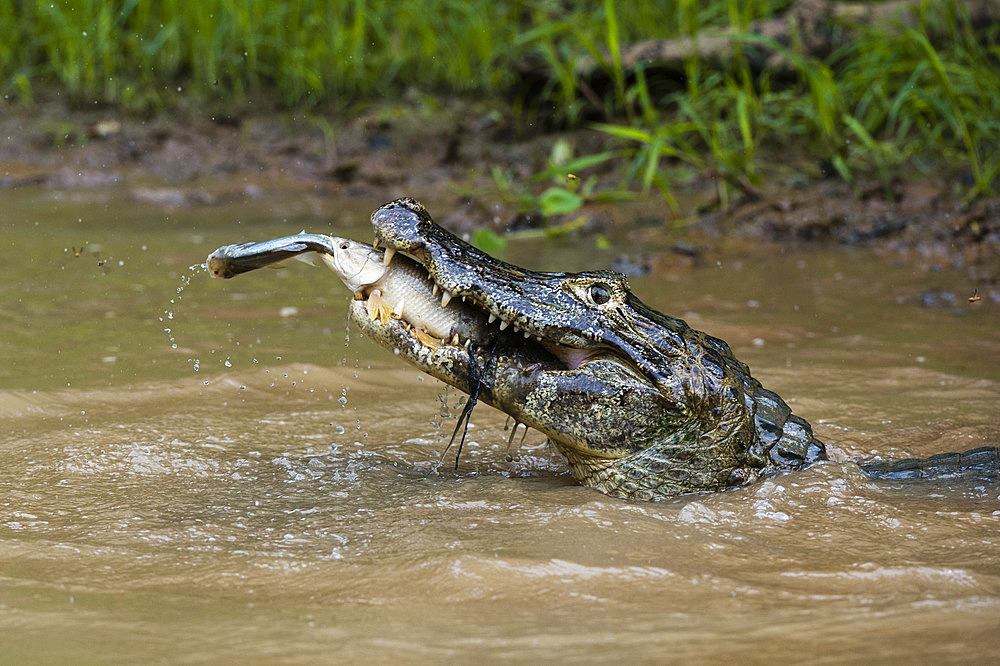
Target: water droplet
(340, 430)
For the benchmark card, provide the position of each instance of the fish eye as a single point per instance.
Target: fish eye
(345, 245)
(599, 293)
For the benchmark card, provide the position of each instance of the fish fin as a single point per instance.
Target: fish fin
(426, 338)
(378, 308)
(307, 259)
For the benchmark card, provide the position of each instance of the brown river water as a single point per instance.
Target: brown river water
(248, 486)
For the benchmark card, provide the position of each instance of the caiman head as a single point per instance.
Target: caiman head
(641, 405)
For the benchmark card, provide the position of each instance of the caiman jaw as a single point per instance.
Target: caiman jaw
(371, 313)
(398, 228)
(520, 369)
(505, 294)
(447, 293)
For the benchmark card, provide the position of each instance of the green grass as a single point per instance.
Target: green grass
(884, 104)
(144, 55)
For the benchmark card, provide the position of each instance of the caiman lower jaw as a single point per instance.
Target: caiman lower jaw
(518, 369)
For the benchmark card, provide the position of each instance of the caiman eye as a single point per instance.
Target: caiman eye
(599, 293)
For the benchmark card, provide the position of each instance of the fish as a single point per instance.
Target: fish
(392, 285)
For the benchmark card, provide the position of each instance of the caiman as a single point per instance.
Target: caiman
(641, 405)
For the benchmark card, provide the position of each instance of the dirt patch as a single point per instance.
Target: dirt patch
(917, 219)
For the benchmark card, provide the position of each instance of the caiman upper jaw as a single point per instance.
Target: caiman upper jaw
(541, 306)
(570, 311)
(405, 226)
(538, 304)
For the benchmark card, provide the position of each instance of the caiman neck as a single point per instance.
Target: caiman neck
(685, 460)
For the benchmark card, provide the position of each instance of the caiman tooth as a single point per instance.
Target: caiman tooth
(390, 252)
(538, 337)
(463, 299)
(434, 290)
(445, 298)
(527, 335)
(467, 343)
(503, 324)
(375, 244)
(455, 340)
(493, 318)
(398, 310)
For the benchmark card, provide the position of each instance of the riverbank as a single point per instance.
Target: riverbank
(479, 167)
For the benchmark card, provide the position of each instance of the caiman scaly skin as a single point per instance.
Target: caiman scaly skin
(641, 405)
(654, 409)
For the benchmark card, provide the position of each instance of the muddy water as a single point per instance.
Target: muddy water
(264, 492)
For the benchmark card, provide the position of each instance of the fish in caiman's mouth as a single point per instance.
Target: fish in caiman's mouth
(639, 404)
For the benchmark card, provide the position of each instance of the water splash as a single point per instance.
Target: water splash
(168, 313)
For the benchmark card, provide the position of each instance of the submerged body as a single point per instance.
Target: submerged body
(641, 405)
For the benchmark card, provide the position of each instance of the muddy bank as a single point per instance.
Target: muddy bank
(918, 219)
(446, 155)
